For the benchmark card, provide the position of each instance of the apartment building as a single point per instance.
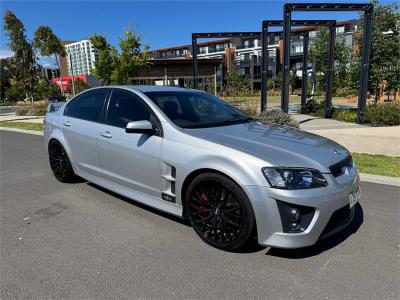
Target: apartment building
(244, 54)
(80, 57)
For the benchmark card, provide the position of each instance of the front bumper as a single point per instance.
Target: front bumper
(331, 204)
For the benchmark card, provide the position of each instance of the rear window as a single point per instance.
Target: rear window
(87, 106)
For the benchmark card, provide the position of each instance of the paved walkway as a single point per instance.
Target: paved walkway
(13, 117)
(356, 138)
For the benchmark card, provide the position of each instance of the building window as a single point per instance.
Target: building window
(203, 50)
(340, 29)
(248, 43)
(220, 47)
(245, 57)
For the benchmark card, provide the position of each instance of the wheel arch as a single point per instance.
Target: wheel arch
(191, 176)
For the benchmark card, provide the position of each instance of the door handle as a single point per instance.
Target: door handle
(67, 123)
(106, 134)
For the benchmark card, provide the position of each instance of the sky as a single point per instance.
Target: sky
(159, 23)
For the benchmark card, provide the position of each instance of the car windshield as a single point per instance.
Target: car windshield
(190, 109)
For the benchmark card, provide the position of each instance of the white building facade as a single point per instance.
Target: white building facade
(81, 56)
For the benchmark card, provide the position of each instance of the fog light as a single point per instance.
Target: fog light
(294, 226)
(296, 215)
(295, 218)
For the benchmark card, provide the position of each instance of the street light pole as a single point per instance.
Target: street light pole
(72, 74)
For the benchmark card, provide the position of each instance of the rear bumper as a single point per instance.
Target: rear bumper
(332, 212)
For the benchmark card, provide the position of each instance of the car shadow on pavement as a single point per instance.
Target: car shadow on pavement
(140, 205)
(325, 244)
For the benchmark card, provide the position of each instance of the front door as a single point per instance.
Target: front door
(130, 159)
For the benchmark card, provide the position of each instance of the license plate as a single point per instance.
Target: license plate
(354, 196)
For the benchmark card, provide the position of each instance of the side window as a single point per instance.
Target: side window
(125, 107)
(70, 107)
(89, 105)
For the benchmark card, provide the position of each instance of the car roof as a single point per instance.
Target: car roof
(153, 88)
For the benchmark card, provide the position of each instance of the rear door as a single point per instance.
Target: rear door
(130, 159)
(81, 128)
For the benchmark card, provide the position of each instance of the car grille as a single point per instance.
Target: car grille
(336, 169)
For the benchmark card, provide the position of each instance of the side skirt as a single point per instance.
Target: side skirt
(154, 202)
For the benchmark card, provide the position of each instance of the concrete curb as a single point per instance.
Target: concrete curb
(395, 181)
(22, 130)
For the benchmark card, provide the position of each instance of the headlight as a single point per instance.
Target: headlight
(294, 178)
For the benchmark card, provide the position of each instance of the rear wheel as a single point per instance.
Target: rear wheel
(219, 211)
(60, 163)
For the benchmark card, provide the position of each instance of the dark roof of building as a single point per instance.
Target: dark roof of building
(219, 41)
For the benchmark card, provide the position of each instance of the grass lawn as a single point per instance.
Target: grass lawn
(377, 164)
(22, 125)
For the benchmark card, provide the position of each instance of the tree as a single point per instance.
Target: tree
(48, 44)
(80, 85)
(318, 59)
(7, 74)
(238, 84)
(385, 55)
(107, 63)
(132, 57)
(120, 67)
(24, 56)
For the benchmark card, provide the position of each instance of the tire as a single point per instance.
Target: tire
(60, 163)
(219, 211)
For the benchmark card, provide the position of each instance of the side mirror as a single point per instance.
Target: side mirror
(140, 127)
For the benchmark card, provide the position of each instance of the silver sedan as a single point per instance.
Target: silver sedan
(193, 155)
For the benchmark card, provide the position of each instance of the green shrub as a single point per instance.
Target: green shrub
(277, 117)
(313, 105)
(40, 111)
(344, 92)
(36, 110)
(249, 110)
(346, 115)
(320, 112)
(21, 111)
(15, 93)
(383, 114)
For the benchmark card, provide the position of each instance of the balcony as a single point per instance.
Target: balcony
(245, 46)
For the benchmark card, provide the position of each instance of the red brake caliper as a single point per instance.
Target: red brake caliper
(205, 198)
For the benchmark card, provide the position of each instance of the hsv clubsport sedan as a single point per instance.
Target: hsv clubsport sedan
(193, 155)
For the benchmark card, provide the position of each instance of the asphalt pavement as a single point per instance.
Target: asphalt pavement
(78, 241)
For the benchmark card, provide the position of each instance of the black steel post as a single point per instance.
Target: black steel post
(195, 66)
(286, 59)
(264, 65)
(364, 69)
(329, 71)
(304, 75)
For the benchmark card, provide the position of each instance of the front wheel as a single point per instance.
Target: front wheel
(219, 211)
(60, 163)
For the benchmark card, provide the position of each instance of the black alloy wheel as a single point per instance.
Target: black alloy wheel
(219, 211)
(60, 163)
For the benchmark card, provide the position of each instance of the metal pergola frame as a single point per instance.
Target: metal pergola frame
(367, 8)
(206, 35)
(198, 35)
(264, 65)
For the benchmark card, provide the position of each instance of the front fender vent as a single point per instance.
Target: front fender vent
(168, 177)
